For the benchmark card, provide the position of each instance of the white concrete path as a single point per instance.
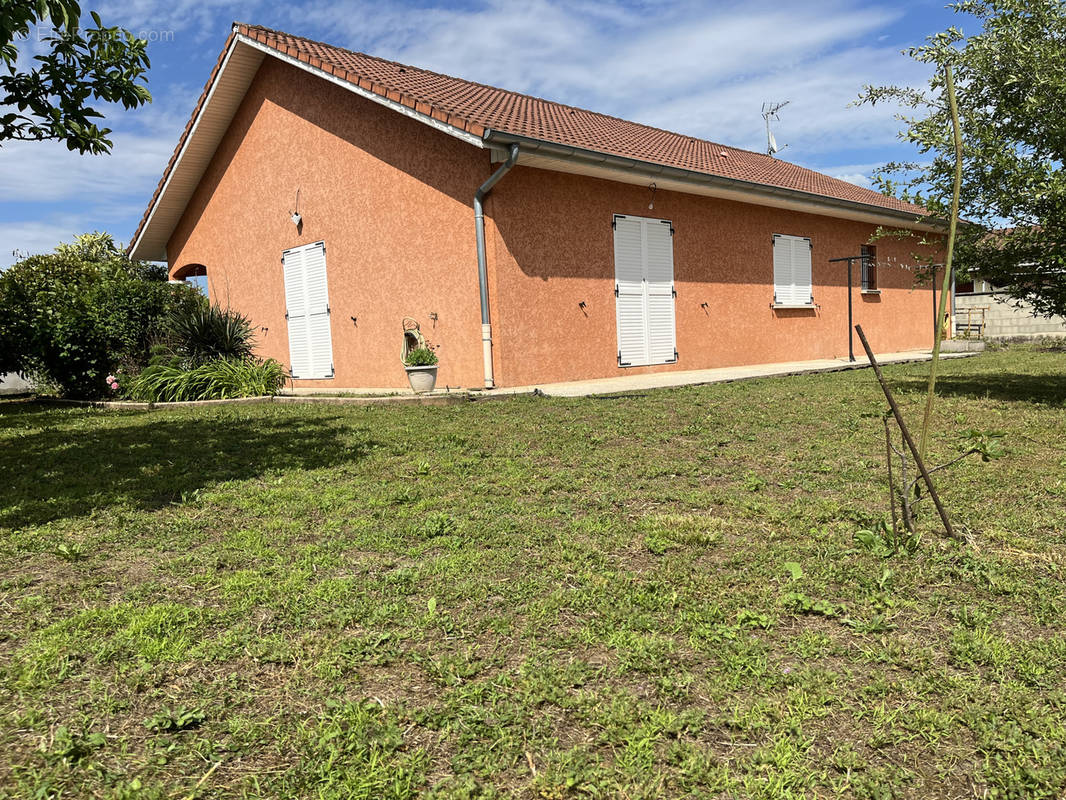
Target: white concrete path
(658, 380)
(661, 380)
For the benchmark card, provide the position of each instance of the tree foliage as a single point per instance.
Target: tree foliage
(50, 100)
(1010, 74)
(74, 316)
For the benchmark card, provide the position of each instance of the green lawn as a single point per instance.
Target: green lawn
(537, 598)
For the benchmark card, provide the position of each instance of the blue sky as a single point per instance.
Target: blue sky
(699, 68)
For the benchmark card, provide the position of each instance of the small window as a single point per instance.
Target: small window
(792, 271)
(869, 268)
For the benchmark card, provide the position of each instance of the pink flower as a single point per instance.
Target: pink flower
(114, 385)
(109, 379)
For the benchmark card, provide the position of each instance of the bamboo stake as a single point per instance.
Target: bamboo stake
(891, 483)
(949, 88)
(918, 460)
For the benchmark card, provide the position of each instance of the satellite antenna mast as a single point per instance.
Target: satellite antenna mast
(769, 112)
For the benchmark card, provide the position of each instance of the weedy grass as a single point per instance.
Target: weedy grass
(687, 593)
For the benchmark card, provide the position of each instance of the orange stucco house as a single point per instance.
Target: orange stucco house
(534, 242)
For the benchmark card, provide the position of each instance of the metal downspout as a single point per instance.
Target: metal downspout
(482, 267)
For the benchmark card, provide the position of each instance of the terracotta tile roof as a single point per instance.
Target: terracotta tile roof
(473, 107)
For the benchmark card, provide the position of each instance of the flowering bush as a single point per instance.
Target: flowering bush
(70, 317)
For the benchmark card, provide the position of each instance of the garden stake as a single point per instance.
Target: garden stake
(938, 323)
(891, 483)
(906, 433)
(904, 498)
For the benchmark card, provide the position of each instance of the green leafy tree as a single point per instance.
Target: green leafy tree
(50, 100)
(74, 316)
(1010, 75)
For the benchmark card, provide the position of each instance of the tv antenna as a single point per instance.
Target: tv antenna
(769, 112)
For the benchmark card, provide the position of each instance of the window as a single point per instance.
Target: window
(307, 311)
(792, 271)
(644, 290)
(869, 268)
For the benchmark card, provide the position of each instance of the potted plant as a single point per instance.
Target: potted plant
(421, 366)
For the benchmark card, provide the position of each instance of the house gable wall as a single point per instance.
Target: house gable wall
(390, 197)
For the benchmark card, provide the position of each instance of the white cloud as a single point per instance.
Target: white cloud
(71, 193)
(689, 68)
(695, 67)
(29, 238)
(859, 174)
(855, 177)
(47, 171)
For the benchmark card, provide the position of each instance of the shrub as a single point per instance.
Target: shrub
(421, 357)
(206, 332)
(171, 381)
(71, 317)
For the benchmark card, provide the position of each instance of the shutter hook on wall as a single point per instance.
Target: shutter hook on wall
(294, 215)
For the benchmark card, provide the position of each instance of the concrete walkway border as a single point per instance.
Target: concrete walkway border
(449, 399)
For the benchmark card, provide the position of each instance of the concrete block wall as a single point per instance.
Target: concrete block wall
(1006, 317)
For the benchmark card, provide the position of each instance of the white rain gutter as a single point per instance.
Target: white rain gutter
(482, 267)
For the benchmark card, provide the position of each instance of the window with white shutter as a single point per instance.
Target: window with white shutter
(792, 271)
(644, 291)
(307, 311)
(869, 267)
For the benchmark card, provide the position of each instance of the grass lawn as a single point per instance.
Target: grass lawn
(659, 595)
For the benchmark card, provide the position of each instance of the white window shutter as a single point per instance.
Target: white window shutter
(659, 285)
(318, 330)
(307, 310)
(629, 290)
(782, 270)
(644, 291)
(792, 270)
(801, 269)
(296, 313)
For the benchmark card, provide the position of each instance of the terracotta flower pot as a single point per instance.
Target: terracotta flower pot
(422, 379)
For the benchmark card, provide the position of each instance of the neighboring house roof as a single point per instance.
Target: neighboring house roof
(488, 116)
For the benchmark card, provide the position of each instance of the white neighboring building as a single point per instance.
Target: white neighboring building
(984, 311)
(12, 383)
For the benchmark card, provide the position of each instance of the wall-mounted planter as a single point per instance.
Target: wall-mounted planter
(422, 379)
